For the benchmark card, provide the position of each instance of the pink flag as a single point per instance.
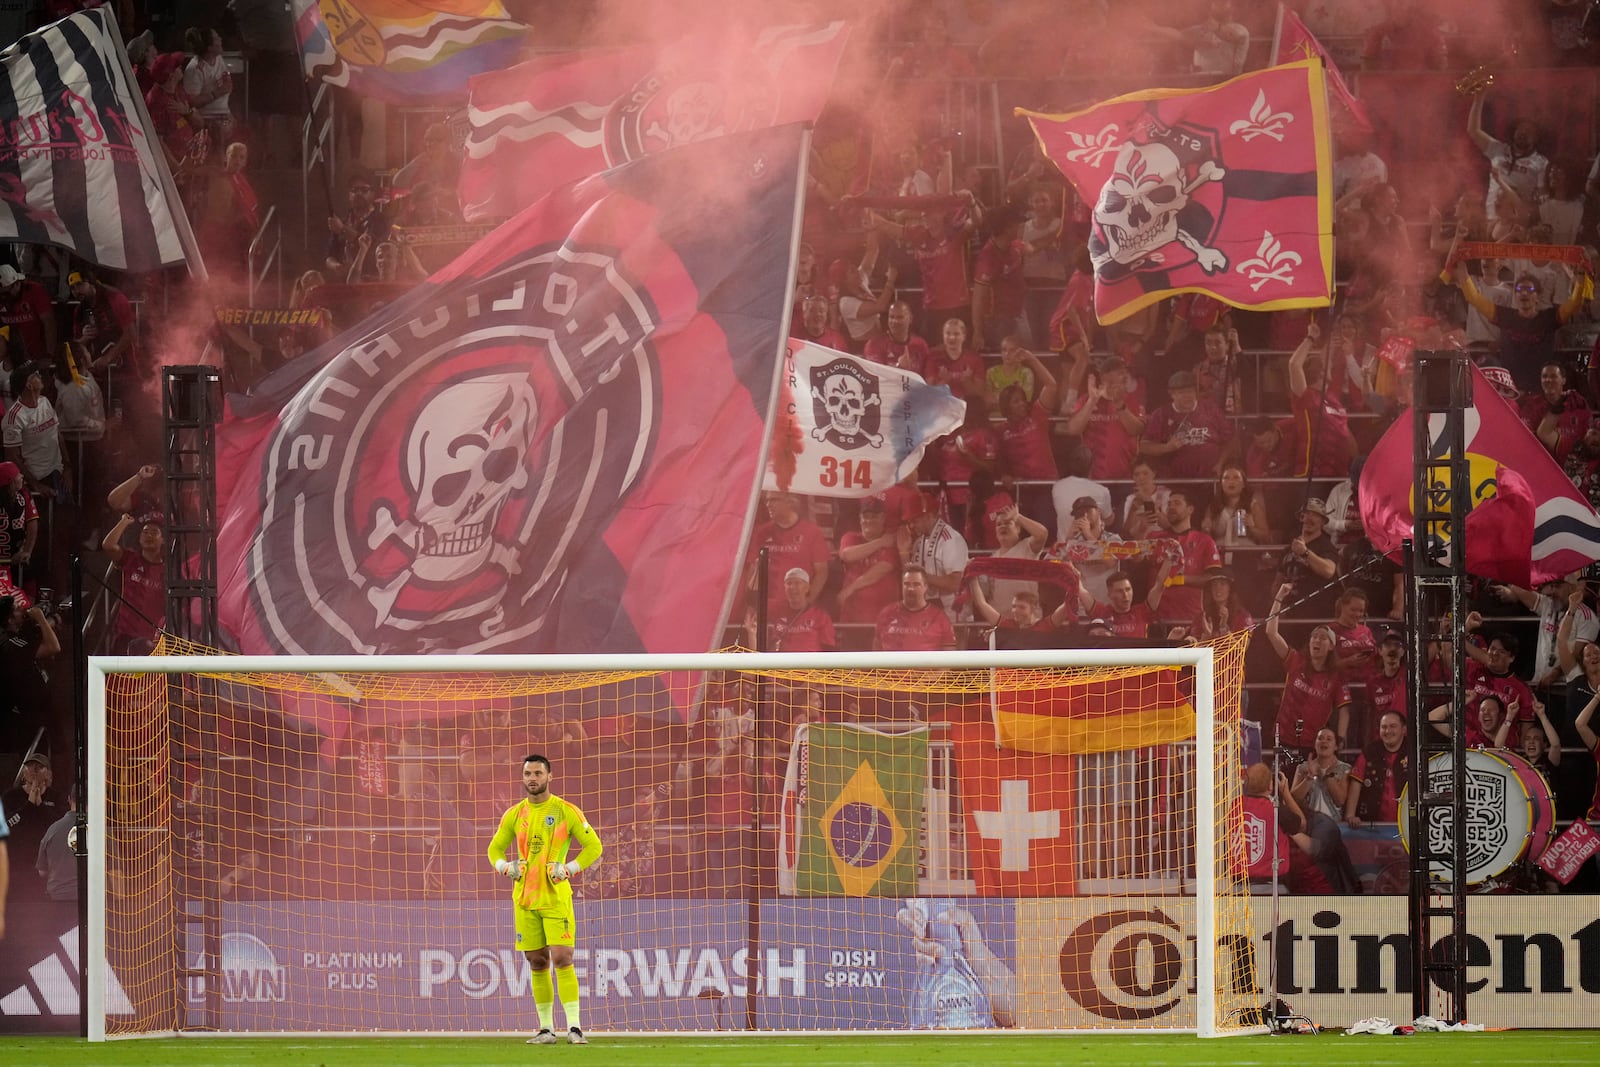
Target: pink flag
(1296, 41)
(1562, 534)
(556, 119)
(1225, 191)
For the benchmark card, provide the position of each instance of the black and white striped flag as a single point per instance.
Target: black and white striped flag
(78, 168)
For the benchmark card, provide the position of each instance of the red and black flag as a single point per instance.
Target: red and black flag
(550, 445)
(1225, 190)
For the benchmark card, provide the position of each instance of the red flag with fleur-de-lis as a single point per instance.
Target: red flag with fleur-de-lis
(1225, 191)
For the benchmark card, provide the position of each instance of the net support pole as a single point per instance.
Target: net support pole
(1273, 834)
(80, 773)
(92, 965)
(1205, 859)
(757, 866)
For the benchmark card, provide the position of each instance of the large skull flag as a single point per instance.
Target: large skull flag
(551, 445)
(1224, 191)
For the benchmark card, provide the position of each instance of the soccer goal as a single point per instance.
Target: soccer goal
(1032, 840)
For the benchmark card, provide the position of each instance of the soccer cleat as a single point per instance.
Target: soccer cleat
(543, 1037)
(575, 1037)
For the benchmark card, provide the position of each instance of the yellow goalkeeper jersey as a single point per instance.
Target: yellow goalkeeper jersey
(543, 834)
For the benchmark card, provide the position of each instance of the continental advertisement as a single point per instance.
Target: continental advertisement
(1118, 962)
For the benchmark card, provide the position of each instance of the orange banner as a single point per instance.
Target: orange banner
(227, 316)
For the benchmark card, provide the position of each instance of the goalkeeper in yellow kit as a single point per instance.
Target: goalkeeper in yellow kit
(531, 847)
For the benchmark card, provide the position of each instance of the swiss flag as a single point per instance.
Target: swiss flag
(1018, 817)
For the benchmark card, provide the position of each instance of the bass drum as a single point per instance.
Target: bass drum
(1511, 813)
(1543, 799)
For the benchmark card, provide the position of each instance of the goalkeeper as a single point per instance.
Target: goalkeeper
(531, 847)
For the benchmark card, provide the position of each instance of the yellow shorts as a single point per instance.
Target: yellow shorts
(547, 926)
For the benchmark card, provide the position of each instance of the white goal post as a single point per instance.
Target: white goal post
(229, 860)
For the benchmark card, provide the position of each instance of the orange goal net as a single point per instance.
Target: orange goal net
(1038, 840)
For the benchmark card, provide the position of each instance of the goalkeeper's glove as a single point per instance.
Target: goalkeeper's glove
(560, 872)
(510, 868)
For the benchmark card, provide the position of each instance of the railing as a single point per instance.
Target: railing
(264, 257)
(319, 143)
(101, 609)
(972, 113)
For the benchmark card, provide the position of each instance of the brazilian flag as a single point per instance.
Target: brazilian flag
(862, 814)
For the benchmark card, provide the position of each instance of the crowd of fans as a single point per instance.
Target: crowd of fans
(1195, 468)
(1220, 451)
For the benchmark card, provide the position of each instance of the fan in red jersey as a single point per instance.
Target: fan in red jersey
(915, 624)
(791, 540)
(1381, 771)
(1121, 615)
(1314, 691)
(871, 571)
(1388, 683)
(802, 625)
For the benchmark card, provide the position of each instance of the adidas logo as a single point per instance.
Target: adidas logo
(53, 987)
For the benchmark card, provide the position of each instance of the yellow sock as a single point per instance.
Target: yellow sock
(544, 998)
(567, 984)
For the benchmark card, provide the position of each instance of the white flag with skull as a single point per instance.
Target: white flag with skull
(849, 427)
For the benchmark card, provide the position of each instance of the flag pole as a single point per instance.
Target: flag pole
(308, 97)
(781, 357)
(1277, 36)
(158, 154)
(1333, 302)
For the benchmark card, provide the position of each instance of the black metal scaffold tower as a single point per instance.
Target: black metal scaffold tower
(191, 409)
(1436, 611)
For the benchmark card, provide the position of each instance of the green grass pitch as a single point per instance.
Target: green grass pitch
(1515, 1049)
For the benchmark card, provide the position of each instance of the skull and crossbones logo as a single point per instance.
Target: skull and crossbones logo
(465, 455)
(846, 405)
(1146, 206)
(692, 113)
